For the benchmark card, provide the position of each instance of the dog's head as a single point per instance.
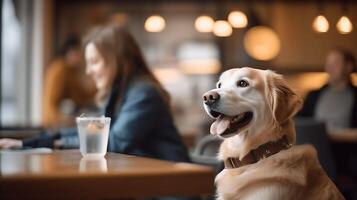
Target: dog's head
(251, 104)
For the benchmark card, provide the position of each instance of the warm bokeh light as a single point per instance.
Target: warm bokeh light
(200, 66)
(238, 19)
(198, 58)
(306, 81)
(155, 23)
(204, 24)
(320, 24)
(167, 75)
(354, 79)
(262, 43)
(222, 28)
(344, 25)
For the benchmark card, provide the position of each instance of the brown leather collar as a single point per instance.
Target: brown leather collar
(263, 151)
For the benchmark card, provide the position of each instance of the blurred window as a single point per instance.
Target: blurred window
(10, 37)
(21, 66)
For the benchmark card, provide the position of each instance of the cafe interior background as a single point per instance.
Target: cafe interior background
(187, 44)
(178, 43)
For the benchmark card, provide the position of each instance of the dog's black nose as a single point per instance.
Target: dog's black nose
(210, 97)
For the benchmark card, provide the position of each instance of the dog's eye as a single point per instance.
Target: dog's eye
(242, 83)
(219, 85)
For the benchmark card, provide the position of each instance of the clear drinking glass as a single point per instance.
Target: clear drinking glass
(93, 135)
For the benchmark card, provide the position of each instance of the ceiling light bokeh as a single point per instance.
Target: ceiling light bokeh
(262, 43)
(204, 24)
(198, 58)
(155, 23)
(344, 25)
(238, 19)
(320, 24)
(222, 28)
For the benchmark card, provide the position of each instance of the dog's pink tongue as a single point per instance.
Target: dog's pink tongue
(220, 125)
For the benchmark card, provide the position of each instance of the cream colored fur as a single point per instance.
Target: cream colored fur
(290, 174)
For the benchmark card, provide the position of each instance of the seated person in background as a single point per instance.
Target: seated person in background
(336, 102)
(128, 92)
(67, 89)
(336, 105)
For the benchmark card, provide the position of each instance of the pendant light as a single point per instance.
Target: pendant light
(204, 24)
(238, 19)
(344, 24)
(155, 23)
(222, 28)
(320, 23)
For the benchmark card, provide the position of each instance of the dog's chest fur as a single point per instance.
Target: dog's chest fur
(290, 174)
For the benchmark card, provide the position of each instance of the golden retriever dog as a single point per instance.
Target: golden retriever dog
(253, 112)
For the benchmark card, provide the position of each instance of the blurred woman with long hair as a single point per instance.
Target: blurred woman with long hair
(139, 107)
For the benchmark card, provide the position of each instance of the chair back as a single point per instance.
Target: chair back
(205, 152)
(310, 131)
(208, 146)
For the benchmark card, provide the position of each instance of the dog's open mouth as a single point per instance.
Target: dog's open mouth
(227, 125)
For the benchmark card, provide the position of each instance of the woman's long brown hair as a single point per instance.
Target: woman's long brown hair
(119, 49)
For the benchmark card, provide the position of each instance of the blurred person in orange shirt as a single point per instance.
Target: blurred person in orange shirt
(67, 89)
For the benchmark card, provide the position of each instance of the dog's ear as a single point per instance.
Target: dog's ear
(284, 102)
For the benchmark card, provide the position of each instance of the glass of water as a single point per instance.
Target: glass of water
(93, 135)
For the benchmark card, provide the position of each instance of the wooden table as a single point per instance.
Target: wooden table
(68, 175)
